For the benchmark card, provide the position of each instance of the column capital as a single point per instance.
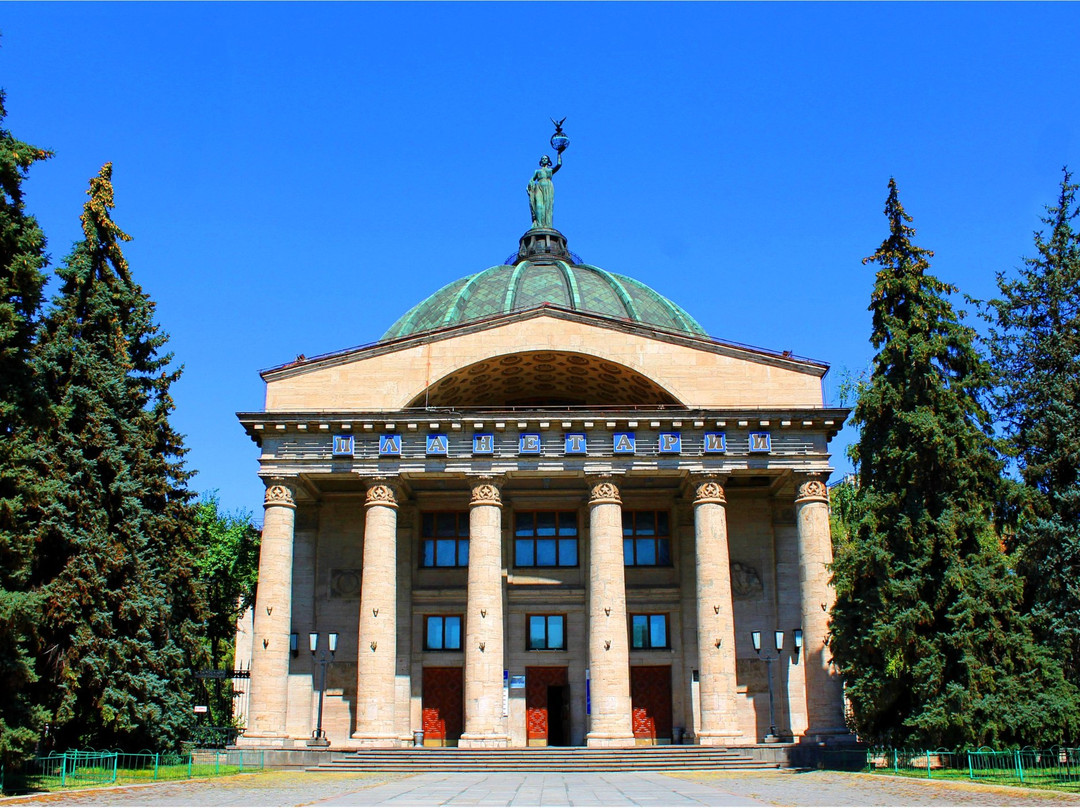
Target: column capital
(603, 489)
(486, 490)
(810, 488)
(278, 494)
(709, 488)
(380, 492)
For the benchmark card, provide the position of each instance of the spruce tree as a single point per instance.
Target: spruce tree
(121, 611)
(1035, 348)
(927, 628)
(22, 281)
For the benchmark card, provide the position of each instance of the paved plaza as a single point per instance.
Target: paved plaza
(555, 789)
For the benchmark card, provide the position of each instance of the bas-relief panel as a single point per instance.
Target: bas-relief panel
(345, 583)
(750, 675)
(745, 582)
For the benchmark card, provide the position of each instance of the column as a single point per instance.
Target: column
(824, 693)
(609, 646)
(715, 616)
(377, 647)
(484, 663)
(269, 696)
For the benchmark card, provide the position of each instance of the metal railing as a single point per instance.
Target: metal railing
(83, 768)
(1057, 767)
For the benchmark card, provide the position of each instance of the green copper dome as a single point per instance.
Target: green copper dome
(527, 285)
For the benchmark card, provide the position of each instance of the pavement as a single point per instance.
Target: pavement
(777, 788)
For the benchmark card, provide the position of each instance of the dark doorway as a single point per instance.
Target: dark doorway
(558, 708)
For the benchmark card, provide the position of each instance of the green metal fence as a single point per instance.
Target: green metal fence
(77, 769)
(941, 763)
(1058, 767)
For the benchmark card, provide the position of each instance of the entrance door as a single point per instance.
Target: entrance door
(650, 697)
(443, 701)
(547, 707)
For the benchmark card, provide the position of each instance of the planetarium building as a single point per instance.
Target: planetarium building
(546, 508)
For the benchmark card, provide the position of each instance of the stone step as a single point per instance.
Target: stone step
(543, 759)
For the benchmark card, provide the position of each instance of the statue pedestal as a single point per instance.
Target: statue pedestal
(542, 243)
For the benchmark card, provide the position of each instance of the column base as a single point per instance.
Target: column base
(609, 740)
(386, 740)
(476, 741)
(706, 738)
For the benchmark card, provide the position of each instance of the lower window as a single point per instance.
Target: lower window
(442, 632)
(649, 631)
(547, 632)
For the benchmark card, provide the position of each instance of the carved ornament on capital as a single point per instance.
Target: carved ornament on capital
(812, 490)
(380, 493)
(603, 490)
(278, 495)
(485, 491)
(709, 490)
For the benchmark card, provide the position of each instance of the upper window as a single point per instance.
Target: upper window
(646, 539)
(546, 539)
(444, 539)
(547, 632)
(442, 632)
(649, 631)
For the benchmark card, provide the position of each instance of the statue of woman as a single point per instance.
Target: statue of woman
(542, 192)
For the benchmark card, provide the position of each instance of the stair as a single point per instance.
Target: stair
(543, 759)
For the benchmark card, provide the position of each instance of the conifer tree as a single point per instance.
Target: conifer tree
(927, 629)
(1035, 348)
(121, 612)
(22, 280)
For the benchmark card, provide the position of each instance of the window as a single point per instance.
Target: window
(547, 632)
(649, 631)
(646, 539)
(445, 540)
(546, 539)
(442, 632)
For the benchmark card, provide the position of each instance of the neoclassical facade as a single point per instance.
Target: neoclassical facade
(544, 509)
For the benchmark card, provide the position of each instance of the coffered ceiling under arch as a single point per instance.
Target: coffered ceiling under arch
(544, 378)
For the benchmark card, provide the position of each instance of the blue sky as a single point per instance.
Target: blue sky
(296, 176)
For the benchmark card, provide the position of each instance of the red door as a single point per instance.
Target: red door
(443, 705)
(650, 697)
(537, 721)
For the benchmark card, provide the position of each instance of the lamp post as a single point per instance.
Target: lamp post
(778, 637)
(318, 737)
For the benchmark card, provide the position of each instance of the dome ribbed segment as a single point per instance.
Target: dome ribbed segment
(527, 285)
